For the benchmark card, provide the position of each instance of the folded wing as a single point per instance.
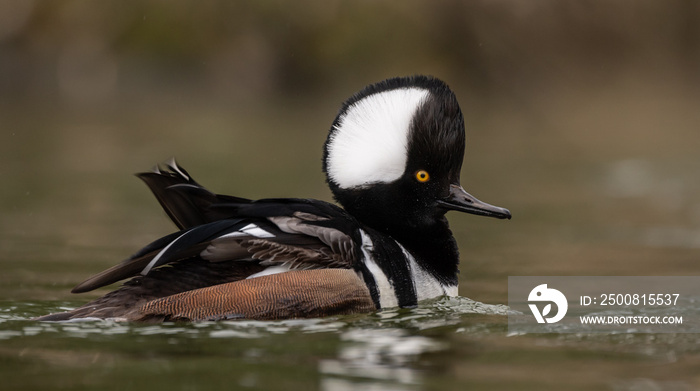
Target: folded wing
(222, 240)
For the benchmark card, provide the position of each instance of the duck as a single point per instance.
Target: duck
(392, 160)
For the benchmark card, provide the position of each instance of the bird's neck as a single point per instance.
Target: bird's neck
(432, 245)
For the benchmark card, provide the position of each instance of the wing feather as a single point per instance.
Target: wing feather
(174, 247)
(296, 233)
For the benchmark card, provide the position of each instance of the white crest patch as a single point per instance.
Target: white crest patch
(370, 142)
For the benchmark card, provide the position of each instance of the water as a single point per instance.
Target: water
(384, 350)
(453, 343)
(589, 196)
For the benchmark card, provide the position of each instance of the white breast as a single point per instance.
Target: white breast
(427, 286)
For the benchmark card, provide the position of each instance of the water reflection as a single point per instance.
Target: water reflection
(375, 357)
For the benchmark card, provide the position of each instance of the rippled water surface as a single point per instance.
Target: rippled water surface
(450, 343)
(390, 350)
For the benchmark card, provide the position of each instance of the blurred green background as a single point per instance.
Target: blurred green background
(582, 119)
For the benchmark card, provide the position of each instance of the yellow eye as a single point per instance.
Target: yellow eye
(422, 176)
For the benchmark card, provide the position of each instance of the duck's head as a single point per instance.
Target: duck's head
(394, 154)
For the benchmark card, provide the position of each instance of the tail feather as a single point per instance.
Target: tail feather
(187, 203)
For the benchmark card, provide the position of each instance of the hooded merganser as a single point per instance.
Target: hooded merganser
(392, 160)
